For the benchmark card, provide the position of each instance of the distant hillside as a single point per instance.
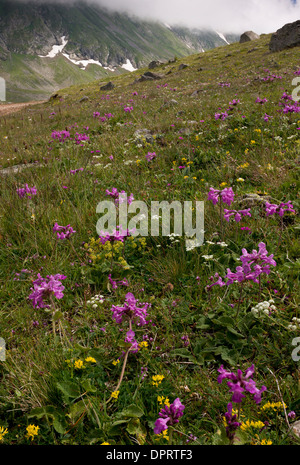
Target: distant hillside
(68, 35)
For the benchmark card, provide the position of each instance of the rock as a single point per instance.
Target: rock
(152, 75)
(296, 428)
(286, 37)
(143, 135)
(248, 36)
(169, 104)
(145, 78)
(249, 200)
(108, 86)
(84, 99)
(182, 66)
(154, 64)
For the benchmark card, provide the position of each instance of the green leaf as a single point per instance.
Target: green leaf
(57, 316)
(59, 425)
(133, 411)
(184, 353)
(76, 410)
(68, 389)
(87, 386)
(40, 412)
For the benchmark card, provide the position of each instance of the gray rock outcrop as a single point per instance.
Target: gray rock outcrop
(248, 36)
(286, 37)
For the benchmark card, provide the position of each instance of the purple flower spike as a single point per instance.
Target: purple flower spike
(240, 383)
(43, 288)
(169, 415)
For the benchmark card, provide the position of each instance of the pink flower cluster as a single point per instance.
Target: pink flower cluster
(253, 265)
(119, 197)
(226, 195)
(271, 209)
(131, 311)
(63, 232)
(169, 416)
(240, 383)
(237, 214)
(43, 288)
(26, 191)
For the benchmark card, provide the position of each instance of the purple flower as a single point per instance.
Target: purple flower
(221, 116)
(169, 416)
(240, 383)
(150, 156)
(29, 191)
(259, 257)
(61, 136)
(231, 422)
(227, 195)
(43, 288)
(218, 281)
(120, 197)
(272, 208)
(130, 338)
(131, 311)
(63, 232)
(237, 214)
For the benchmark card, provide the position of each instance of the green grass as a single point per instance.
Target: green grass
(247, 153)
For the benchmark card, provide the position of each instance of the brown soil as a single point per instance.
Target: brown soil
(8, 108)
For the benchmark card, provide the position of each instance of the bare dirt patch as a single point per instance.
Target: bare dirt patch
(8, 108)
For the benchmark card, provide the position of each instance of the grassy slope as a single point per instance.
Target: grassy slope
(243, 151)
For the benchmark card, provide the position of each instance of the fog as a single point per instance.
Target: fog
(261, 16)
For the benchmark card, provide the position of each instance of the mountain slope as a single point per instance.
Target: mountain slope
(113, 40)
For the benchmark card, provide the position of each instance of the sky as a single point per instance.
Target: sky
(260, 16)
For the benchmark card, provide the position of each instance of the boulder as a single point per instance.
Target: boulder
(248, 36)
(154, 64)
(286, 37)
(152, 75)
(108, 86)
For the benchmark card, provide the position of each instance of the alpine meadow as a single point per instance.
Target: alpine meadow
(120, 338)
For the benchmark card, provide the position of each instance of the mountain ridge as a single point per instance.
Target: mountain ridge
(113, 40)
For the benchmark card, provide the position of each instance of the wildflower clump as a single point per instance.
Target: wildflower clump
(169, 416)
(32, 431)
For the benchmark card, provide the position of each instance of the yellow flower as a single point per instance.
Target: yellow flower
(252, 424)
(78, 365)
(223, 184)
(143, 345)
(252, 142)
(157, 379)
(32, 431)
(186, 177)
(163, 435)
(3, 432)
(273, 406)
(240, 180)
(266, 442)
(90, 360)
(105, 444)
(115, 394)
(115, 362)
(163, 401)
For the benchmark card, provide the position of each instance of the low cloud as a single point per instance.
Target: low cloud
(261, 16)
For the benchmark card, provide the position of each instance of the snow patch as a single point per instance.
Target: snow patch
(222, 37)
(56, 49)
(82, 63)
(128, 66)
